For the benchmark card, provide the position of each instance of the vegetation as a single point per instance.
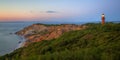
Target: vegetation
(97, 42)
(48, 24)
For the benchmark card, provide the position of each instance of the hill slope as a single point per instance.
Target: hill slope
(38, 32)
(94, 43)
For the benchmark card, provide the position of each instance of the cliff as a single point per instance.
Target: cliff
(39, 32)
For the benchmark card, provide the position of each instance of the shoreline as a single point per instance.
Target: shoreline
(21, 42)
(21, 39)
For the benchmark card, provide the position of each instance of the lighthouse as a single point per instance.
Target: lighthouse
(103, 19)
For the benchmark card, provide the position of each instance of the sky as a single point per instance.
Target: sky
(59, 10)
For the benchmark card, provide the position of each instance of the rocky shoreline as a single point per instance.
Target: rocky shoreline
(39, 32)
(21, 42)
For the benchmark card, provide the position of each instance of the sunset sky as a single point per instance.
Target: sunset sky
(59, 10)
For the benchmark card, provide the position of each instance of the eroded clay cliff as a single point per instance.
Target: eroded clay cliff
(39, 32)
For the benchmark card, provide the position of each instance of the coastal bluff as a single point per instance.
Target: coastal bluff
(38, 32)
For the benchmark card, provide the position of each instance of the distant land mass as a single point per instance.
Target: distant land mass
(91, 41)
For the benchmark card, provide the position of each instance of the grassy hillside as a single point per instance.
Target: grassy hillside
(94, 43)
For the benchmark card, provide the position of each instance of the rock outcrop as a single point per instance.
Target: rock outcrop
(39, 32)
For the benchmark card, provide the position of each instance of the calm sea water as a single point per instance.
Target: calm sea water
(8, 40)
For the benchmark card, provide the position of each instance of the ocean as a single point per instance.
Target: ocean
(8, 40)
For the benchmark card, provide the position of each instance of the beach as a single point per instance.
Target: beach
(21, 42)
